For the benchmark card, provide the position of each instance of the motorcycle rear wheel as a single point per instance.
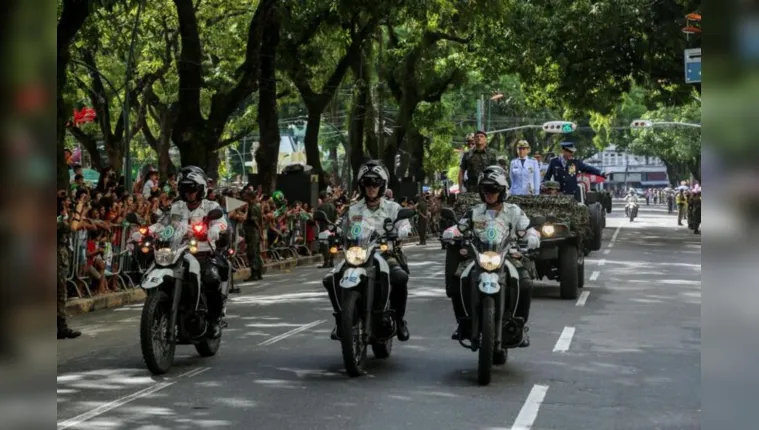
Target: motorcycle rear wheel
(156, 351)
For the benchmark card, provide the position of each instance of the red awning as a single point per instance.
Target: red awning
(593, 179)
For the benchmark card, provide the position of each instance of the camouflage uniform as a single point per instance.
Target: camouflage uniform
(63, 267)
(253, 240)
(474, 162)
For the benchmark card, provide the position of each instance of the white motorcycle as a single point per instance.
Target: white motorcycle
(175, 311)
(631, 210)
(366, 317)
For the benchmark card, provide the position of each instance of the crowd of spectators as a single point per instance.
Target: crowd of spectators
(98, 243)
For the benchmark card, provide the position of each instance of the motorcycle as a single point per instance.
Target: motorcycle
(175, 311)
(631, 210)
(494, 293)
(330, 238)
(366, 317)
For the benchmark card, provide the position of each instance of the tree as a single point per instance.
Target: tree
(674, 145)
(197, 135)
(587, 53)
(311, 31)
(72, 17)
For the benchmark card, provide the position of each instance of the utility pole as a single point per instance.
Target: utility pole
(480, 109)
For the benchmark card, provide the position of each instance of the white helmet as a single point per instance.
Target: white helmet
(493, 177)
(192, 179)
(372, 171)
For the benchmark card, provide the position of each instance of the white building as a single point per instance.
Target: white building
(634, 170)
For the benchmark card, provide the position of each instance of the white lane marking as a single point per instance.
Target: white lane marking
(611, 245)
(562, 345)
(583, 298)
(606, 252)
(594, 276)
(290, 333)
(529, 411)
(100, 410)
(616, 233)
(601, 262)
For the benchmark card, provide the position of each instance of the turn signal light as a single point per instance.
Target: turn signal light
(333, 250)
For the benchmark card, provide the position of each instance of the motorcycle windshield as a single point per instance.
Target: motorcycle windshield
(490, 235)
(171, 232)
(360, 234)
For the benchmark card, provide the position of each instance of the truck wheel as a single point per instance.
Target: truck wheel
(568, 268)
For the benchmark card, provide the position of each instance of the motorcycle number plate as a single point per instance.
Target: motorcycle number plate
(352, 277)
(155, 278)
(488, 283)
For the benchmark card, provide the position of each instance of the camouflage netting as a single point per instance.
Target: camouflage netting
(564, 208)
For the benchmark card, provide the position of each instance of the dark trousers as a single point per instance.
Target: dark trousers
(422, 229)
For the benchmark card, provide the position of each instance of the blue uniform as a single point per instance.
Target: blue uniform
(565, 173)
(525, 177)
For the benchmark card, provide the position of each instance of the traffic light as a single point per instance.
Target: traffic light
(641, 123)
(559, 127)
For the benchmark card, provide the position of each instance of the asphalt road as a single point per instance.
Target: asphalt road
(625, 355)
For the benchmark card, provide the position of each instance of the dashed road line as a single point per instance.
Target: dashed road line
(616, 233)
(562, 345)
(529, 411)
(583, 298)
(594, 276)
(607, 251)
(601, 262)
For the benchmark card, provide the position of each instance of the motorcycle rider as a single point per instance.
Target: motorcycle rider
(493, 188)
(372, 181)
(192, 206)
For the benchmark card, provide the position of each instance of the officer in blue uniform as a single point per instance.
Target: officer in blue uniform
(564, 168)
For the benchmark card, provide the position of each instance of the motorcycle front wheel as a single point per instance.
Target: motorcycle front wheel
(157, 352)
(352, 328)
(487, 341)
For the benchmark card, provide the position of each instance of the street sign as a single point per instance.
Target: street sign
(559, 127)
(693, 66)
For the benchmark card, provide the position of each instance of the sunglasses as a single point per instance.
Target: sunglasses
(372, 182)
(491, 189)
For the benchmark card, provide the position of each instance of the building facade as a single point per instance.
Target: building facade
(626, 170)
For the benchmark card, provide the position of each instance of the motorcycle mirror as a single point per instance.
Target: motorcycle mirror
(405, 213)
(388, 224)
(132, 218)
(448, 214)
(215, 214)
(320, 216)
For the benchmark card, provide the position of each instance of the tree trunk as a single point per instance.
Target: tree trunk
(311, 142)
(358, 120)
(73, 16)
(416, 160)
(267, 154)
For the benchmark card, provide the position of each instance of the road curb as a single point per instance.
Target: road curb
(137, 295)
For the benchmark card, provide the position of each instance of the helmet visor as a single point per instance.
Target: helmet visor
(372, 181)
(491, 188)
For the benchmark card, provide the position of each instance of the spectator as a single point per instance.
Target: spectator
(151, 185)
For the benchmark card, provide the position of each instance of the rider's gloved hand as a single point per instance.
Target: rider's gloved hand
(533, 242)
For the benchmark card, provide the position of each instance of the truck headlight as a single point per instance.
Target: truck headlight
(548, 230)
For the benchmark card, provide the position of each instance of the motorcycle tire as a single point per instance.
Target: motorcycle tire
(487, 341)
(568, 268)
(208, 347)
(157, 309)
(352, 330)
(382, 349)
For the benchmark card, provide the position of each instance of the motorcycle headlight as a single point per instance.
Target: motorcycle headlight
(548, 230)
(490, 261)
(164, 256)
(356, 255)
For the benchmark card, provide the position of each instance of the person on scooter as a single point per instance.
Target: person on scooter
(372, 181)
(493, 188)
(191, 206)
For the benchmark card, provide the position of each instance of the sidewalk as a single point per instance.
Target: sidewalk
(137, 295)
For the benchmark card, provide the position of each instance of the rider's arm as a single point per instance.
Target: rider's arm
(549, 171)
(586, 168)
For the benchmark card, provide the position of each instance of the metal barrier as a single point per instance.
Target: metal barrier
(119, 255)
